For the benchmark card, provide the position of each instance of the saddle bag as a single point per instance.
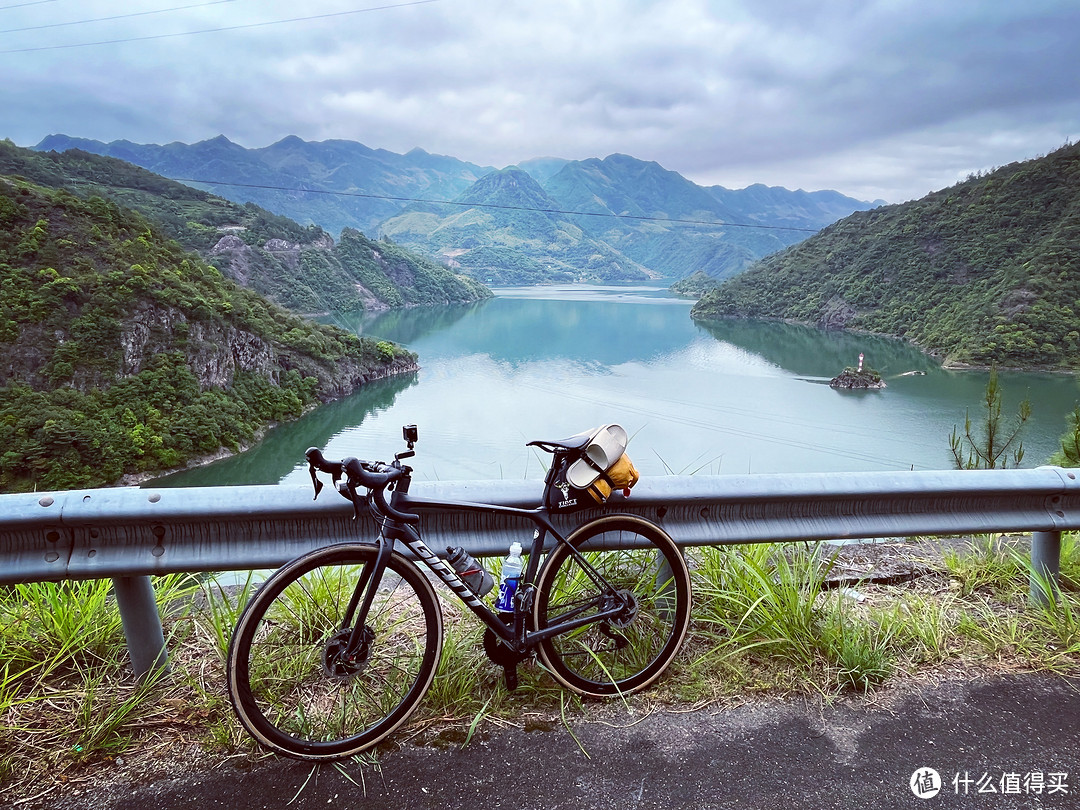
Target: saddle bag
(587, 477)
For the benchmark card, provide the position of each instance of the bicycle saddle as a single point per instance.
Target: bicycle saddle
(575, 442)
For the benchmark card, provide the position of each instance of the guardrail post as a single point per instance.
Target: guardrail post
(1045, 566)
(142, 625)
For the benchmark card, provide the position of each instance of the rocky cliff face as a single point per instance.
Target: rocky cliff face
(215, 352)
(239, 255)
(352, 376)
(323, 276)
(837, 314)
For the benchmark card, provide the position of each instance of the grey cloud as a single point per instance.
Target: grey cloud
(882, 96)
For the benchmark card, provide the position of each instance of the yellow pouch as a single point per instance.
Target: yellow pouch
(621, 475)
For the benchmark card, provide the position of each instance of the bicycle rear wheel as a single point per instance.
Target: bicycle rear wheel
(621, 561)
(289, 683)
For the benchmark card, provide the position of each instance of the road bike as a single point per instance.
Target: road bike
(336, 649)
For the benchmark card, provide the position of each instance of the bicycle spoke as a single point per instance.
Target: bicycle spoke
(295, 688)
(643, 595)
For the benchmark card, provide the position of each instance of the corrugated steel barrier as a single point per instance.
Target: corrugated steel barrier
(129, 533)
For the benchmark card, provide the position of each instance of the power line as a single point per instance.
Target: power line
(216, 30)
(33, 3)
(498, 206)
(115, 17)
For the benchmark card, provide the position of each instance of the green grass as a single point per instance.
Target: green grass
(223, 604)
(762, 623)
(67, 697)
(989, 565)
(861, 651)
(761, 598)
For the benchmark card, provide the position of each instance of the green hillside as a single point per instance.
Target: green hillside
(506, 229)
(348, 185)
(620, 232)
(298, 267)
(356, 273)
(121, 353)
(627, 200)
(987, 271)
(343, 184)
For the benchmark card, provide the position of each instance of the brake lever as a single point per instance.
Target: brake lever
(351, 487)
(315, 481)
(318, 484)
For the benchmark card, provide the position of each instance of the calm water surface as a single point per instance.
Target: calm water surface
(731, 397)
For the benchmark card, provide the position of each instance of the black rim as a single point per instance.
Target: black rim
(296, 691)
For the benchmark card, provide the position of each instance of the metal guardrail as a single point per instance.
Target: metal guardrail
(128, 534)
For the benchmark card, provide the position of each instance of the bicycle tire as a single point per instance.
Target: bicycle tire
(628, 652)
(283, 690)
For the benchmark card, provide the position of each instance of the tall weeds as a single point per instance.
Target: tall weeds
(765, 603)
(764, 620)
(760, 598)
(66, 694)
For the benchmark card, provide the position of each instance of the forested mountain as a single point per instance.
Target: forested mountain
(120, 352)
(987, 271)
(620, 232)
(629, 191)
(299, 267)
(290, 166)
(338, 184)
(506, 229)
(542, 169)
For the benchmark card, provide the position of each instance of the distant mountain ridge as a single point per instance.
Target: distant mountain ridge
(984, 272)
(506, 229)
(338, 184)
(276, 176)
(630, 190)
(300, 268)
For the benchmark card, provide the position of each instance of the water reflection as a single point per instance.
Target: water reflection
(404, 326)
(731, 396)
(820, 355)
(283, 447)
(521, 330)
(811, 352)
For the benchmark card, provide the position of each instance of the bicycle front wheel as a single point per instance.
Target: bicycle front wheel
(616, 561)
(291, 681)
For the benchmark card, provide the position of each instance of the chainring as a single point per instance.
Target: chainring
(500, 653)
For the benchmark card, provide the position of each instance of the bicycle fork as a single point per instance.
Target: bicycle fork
(348, 649)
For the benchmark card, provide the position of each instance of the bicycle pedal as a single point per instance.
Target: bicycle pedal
(511, 677)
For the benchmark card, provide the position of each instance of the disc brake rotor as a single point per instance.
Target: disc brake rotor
(626, 616)
(336, 663)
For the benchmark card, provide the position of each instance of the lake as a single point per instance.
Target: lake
(729, 397)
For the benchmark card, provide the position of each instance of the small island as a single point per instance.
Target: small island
(857, 378)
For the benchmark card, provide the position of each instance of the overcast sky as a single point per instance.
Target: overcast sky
(885, 99)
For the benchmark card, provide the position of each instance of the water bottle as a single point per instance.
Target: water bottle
(511, 572)
(471, 572)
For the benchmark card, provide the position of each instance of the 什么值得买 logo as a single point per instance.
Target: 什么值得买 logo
(925, 783)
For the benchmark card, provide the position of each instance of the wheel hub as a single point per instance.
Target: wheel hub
(626, 616)
(337, 662)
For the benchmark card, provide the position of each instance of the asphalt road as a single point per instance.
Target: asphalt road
(1018, 736)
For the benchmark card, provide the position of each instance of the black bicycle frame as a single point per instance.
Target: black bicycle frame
(516, 634)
